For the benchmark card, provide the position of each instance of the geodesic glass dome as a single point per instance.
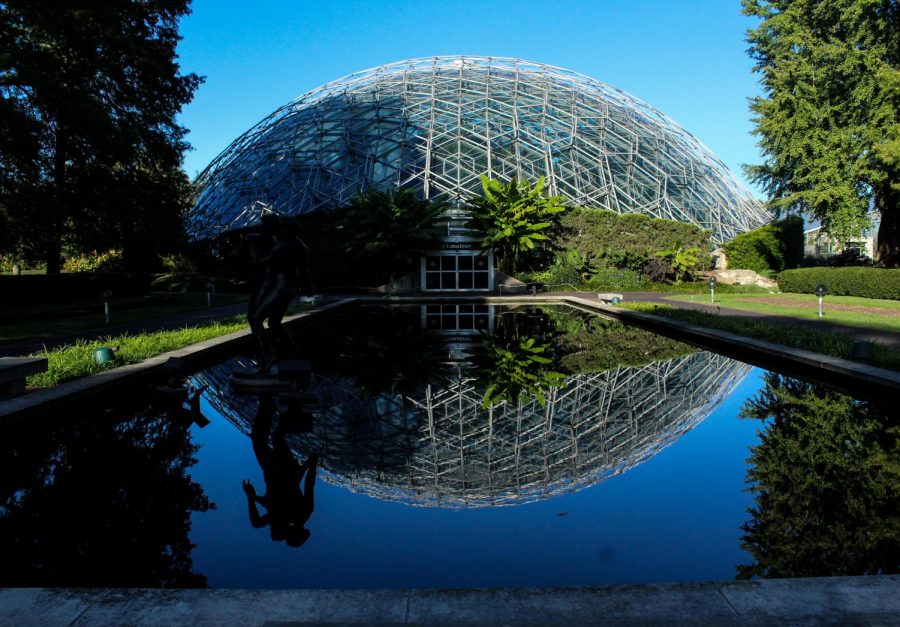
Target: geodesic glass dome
(438, 124)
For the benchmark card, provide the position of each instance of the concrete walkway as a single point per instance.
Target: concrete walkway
(813, 601)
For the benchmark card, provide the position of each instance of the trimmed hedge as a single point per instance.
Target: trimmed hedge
(857, 281)
(769, 248)
(628, 240)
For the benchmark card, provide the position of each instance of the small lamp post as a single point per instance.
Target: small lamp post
(210, 290)
(820, 292)
(712, 289)
(106, 296)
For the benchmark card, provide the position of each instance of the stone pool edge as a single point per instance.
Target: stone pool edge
(855, 378)
(817, 600)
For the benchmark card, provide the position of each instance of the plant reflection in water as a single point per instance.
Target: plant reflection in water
(91, 499)
(515, 362)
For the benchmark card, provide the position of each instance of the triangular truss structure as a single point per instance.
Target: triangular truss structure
(438, 124)
(442, 448)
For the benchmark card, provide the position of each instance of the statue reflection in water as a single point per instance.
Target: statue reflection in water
(287, 506)
(282, 272)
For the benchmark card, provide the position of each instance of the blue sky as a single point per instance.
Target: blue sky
(686, 58)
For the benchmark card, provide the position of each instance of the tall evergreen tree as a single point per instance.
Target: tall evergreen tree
(91, 151)
(829, 120)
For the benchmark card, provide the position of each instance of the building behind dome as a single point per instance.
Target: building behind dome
(438, 124)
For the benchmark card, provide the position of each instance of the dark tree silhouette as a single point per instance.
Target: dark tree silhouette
(91, 150)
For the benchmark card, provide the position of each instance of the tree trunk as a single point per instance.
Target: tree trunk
(887, 254)
(53, 254)
(53, 226)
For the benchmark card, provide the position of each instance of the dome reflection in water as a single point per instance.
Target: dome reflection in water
(472, 405)
(460, 409)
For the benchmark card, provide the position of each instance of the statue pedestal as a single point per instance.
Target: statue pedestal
(281, 376)
(252, 381)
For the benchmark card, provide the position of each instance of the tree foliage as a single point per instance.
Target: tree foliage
(826, 482)
(515, 218)
(828, 123)
(90, 149)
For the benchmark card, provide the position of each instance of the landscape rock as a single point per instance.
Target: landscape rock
(742, 277)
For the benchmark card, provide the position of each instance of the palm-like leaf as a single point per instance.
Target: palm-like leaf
(391, 227)
(513, 216)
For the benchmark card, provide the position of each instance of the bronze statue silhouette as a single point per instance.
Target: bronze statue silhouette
(282, 273)
(287, 506)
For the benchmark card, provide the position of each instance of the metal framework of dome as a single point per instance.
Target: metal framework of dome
(438, 124)
(442, 448)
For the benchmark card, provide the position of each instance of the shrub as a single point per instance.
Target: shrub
(627, 241)
(35, 289)
(94, 261)
(614, 278)
(178, 263)
(770, 248)
(570, 269)
(678, 263)
(9, 260)
(856, 281)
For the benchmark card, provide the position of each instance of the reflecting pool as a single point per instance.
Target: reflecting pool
(457, 446)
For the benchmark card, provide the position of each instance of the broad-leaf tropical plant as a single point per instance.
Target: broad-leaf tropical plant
(515, 218)
(681, 260)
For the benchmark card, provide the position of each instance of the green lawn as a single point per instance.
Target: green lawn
(796, 335)
(36, 322)
(850, 310)
(76, 360)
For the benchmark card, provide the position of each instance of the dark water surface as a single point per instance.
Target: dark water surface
(459, 447)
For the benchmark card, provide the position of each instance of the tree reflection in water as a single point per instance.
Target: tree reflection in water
(100, 502)
(826, 480)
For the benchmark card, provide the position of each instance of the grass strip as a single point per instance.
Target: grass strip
(871, 313)
(794, 335)
(77, 360)
(68, 320)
